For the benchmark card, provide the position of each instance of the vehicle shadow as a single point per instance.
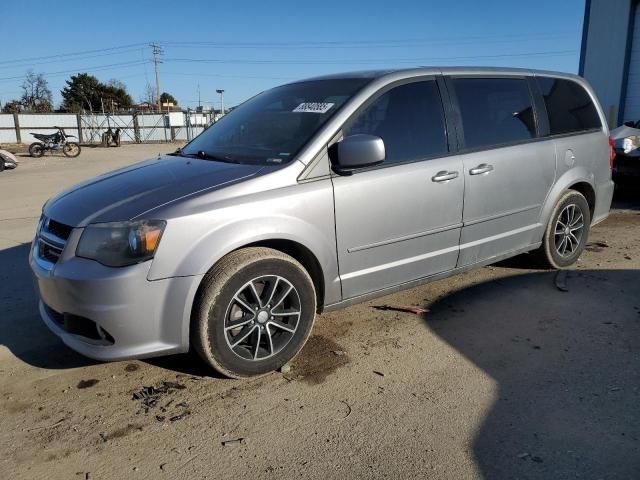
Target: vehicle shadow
(21, 329)
(27, 337)
(566, 367)
(627, 196)
(185, 363)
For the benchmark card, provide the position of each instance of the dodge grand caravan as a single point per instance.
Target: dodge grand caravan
(316, 195)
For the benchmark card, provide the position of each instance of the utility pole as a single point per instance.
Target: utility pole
(156, 50)
(221, 92)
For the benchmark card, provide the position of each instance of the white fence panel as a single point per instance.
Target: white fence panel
(45, 123)
(6, 120)
(93, 126)
(180, 133)
(152, 128)
(7, 129)
(151, 120)
(48, 120)
(8, 136)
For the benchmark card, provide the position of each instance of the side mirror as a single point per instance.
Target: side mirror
(356, 151)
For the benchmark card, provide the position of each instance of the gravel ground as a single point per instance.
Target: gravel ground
(506, 377)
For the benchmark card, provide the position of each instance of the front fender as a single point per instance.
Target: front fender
(192, 244)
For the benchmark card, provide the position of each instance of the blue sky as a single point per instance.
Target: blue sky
(246, 47)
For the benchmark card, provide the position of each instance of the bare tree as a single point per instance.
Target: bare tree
(149, 96)
(117, 84)
(36, 96)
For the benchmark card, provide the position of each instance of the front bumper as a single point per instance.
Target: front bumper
(137, 317)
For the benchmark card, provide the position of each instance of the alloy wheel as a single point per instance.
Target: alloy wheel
(568, 230)
(262, 317)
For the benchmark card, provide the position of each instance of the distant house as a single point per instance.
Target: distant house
(145, 107)
(610, 56)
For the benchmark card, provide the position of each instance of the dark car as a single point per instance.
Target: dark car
(626, 141)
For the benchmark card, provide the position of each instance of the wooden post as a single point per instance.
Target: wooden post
(16, 124)
(79, 120)
(136, 128)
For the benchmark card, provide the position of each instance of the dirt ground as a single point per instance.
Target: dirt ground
(506, 377)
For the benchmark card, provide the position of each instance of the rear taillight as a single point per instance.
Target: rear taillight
(612, 152)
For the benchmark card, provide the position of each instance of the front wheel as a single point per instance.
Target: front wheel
(71, 149)
(254, 312)
(36, 149)
(567, 231)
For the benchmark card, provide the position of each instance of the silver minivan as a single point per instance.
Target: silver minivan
(316, 195)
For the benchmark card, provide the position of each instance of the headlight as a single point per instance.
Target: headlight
(630, 143)
(121, 243)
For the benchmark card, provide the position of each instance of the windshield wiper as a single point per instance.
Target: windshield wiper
(207, 156)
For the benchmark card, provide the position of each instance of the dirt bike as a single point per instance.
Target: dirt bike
(54, 142)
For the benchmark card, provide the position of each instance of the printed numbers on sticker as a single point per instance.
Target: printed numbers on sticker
(313, 107)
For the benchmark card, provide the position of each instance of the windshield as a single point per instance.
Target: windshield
(272, 127)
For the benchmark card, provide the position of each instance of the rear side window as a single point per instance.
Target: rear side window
(410, 120)
(494, 111)
(569, 106)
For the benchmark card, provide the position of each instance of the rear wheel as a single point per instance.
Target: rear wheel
(254, 312)
(71, 149)
(567, 231)
(36, 149)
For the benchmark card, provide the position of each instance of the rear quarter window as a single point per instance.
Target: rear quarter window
(569, 106)
(494, 111)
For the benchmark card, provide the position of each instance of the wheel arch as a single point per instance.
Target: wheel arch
(588, 192)
(577, 179)
(303, 255)
(292, 248)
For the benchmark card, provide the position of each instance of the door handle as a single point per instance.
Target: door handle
(480, 169)
(444, 176)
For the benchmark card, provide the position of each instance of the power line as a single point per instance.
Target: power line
(78, 70)
(369, 43)
(366, 44)
(506, 38)
(61, 55)
(63, 60)
(416, 60)
(259, 77)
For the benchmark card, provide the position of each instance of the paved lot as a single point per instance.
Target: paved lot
(506, 377)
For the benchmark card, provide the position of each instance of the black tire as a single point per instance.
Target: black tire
(36, 149)
(1, 164)
(550, 252)
(71, 149)
(216, 306)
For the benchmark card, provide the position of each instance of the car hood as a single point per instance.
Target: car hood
(130, 192)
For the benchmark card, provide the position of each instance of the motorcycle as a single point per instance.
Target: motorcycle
(54, 142)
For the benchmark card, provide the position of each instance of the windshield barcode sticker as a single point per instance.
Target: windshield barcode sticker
(314, 107)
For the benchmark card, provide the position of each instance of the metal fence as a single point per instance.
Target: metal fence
(88, 128)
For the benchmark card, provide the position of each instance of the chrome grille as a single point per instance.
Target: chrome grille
(52, 237)
(58, 229)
